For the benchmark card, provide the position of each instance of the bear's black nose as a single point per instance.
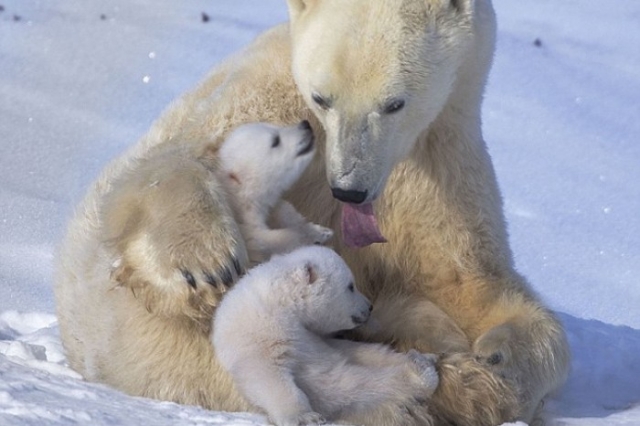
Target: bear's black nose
(351, 196)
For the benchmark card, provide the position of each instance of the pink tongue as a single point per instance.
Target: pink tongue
(359, 225)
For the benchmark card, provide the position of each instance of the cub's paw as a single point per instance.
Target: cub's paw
(319, 234)
(285, 216)
(426, 365)
(310, 418)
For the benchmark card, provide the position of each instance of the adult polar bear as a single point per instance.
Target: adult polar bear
(397, 87)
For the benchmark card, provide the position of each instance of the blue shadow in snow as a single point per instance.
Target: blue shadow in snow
(605, 371)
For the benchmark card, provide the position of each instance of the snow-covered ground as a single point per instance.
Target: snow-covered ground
(80, 81)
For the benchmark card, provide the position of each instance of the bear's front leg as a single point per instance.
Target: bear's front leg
(174, 240)
(529, 348)
(520, 355)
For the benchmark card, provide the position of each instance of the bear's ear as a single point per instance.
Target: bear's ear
(462, 6)
(209, 156)
(297, 7)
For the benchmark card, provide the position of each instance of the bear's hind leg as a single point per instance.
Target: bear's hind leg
(411, 322)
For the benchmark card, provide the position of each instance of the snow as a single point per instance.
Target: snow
(80, 81)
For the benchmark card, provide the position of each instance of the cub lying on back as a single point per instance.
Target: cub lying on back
(258, 163)
(272, 333)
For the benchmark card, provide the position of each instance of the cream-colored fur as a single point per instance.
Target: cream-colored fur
(272, 333)
(258, 163)
(444, 282)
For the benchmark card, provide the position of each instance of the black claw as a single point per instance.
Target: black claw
(226, 276)
(340, 335)
(210, 279)
(189, 277)
(236, 265)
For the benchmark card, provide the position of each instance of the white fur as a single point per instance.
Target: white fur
(271, 332)
(132, 288)
(258, 163)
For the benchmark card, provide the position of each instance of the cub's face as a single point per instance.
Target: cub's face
(376, 74)
(325, 294)
(264, 160)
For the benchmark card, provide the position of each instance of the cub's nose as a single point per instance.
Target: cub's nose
(350, 196)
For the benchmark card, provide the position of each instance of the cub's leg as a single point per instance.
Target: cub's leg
(264, 242)
(378, 356)
(379, 385)
(173, 237)
(274, 389)
(290, 230)
(286, 216)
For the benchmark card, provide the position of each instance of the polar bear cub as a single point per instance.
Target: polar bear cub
(258, 163)
(272, 334)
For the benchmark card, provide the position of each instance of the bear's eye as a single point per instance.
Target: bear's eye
(351, 288)
(275, 141)
(322, 102)
(393, 106)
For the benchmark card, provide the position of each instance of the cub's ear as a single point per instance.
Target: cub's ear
(310, 270)
(297, 7)
(233, 177)
(305, 274)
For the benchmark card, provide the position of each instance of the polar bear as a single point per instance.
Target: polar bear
(258, 163)
(271, 332)
(393, 91)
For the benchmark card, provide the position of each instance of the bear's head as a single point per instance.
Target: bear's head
(261, 161)
(321, 290)
(378, 73)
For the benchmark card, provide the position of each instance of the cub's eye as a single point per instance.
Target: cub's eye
(351, 288)
(322, 102)
(393, 106)
(275, 141)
